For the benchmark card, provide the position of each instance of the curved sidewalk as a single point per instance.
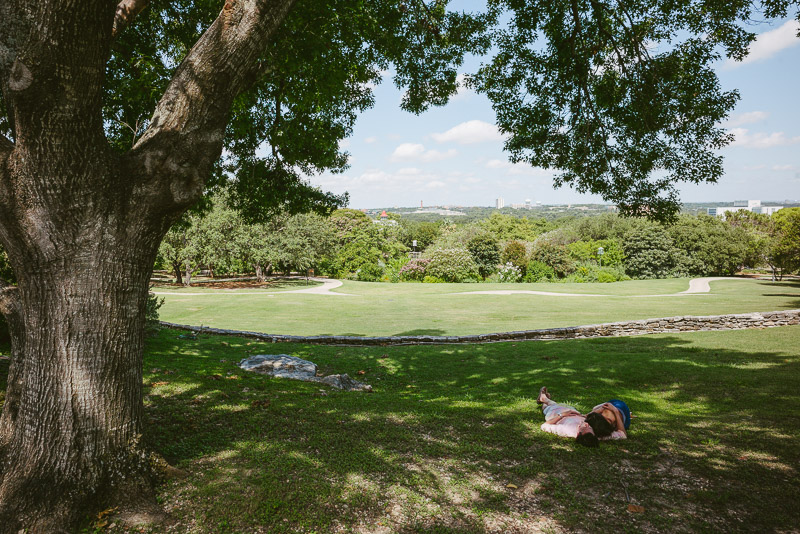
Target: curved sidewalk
(696, 286)
(328, 284)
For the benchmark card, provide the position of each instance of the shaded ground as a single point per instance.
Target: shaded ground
(450, 441)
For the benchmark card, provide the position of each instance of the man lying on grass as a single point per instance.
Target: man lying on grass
(609, 420)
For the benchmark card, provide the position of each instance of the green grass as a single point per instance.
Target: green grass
(713, 443)
(438, 309)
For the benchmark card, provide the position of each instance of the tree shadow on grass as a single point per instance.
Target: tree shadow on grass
(448, 428)
(449, 440)
(422, 332)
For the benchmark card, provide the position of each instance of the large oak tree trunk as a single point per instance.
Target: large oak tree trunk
(82, 225)
(71, 434)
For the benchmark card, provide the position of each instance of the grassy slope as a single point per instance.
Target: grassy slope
(713, 446)
(436, 309)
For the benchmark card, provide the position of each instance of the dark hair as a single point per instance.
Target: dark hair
(599, 424)
(587, 439)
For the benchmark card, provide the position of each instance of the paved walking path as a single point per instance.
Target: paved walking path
(696, 286)
(326, 288)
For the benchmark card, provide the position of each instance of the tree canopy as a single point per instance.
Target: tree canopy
(619, 96)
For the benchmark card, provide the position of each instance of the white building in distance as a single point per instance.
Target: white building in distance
(743, 205)
(499, 203)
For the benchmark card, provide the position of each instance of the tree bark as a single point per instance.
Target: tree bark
(187, 279)
(177, 268)
(82, 226)
(72, 424)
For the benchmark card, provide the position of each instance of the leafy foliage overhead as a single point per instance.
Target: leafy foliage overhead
(317, 74)
(618, 95)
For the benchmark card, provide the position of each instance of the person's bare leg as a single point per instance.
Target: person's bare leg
(544, 397)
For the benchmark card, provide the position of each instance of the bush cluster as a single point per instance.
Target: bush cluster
(349, 244)
(452, 265)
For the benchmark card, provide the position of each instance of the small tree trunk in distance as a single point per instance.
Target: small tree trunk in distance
(260, 273)
(177, 269)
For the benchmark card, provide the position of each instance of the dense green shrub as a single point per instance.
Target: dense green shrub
(432, 280)
(591, 272)
(424, 233)
(452, 265)
(516, 254)
(391, 272)
(370, 272)
(650, 253)
(713, 247)
(555, 256)
(786, 248)
(486, 253)
(538, 271)
(586, 251)
(504, 227)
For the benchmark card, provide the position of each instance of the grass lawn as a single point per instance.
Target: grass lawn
(449, 441)
(439, 309)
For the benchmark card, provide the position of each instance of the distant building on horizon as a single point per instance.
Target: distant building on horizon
(499, 203)
(743, 205)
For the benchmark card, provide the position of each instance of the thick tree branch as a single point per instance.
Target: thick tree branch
(184, 139)
(126, 12)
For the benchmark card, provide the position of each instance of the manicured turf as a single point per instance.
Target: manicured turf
(450, 442)
(438, 309)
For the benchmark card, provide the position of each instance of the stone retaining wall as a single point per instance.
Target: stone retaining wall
(624, 328)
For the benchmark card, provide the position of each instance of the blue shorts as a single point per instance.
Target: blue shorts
(624, 410)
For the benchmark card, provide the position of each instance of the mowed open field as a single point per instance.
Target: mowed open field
(383, 309)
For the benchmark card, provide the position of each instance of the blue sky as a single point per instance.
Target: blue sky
(453, 155)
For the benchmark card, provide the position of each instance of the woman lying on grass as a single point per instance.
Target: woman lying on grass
(609, 420)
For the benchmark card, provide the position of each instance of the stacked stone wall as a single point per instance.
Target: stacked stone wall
(666, 325)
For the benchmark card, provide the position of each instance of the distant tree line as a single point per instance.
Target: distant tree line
(498, 248)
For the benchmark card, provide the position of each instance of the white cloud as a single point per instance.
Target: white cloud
(746, 118)
(344, 143)
(770, 43)
(370, 140)
(516, 169)
(469, 132)
(783, 167)
(417, 152)
(745, 139)
(462, 91)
